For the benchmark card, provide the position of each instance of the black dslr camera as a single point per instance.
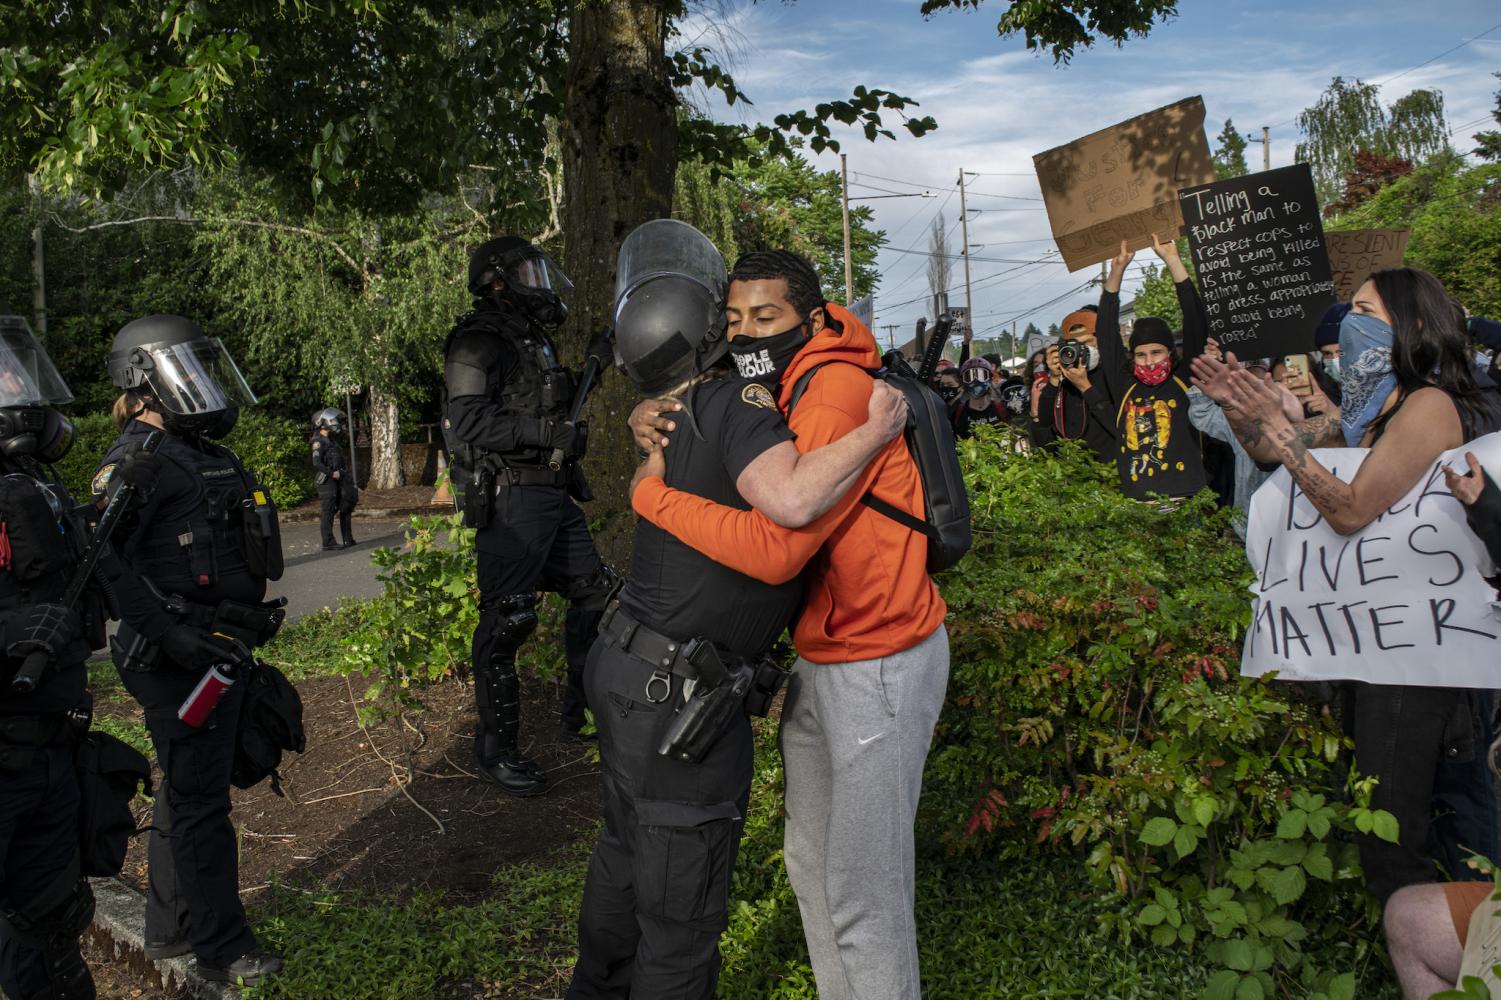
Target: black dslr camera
(1073, 354)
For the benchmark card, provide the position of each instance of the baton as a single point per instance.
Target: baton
(35, 664)
(592, 367)
(936, 344)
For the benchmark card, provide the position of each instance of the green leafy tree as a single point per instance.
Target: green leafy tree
(1454, 215)
(1230, 153)
(1061, 28)
(1349, 116)
(1489, 142)
(781, 202)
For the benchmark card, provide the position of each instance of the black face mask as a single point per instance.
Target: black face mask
(949, 393)
(764, 359)
(541, 307)
(214, 425)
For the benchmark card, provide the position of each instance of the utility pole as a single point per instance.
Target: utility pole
(1266, 147)
(969, 308)
(890, 329)
(849, 267)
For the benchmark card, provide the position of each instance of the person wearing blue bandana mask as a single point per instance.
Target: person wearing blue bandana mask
(1409, 395)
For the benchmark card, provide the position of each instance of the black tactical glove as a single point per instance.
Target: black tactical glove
(580, 441)
(139, 469)
(194, 648)
(45, 628)
(549, 434)
(602, 346)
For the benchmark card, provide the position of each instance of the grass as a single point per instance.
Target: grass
(314, 645)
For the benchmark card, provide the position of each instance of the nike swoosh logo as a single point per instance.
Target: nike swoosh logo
(869, 739)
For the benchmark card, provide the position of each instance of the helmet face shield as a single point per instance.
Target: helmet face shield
(667, 247)
(534, 271)
(196, 377)
(27, 375)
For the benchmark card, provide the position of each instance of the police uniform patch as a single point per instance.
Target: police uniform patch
(101, 479)
(757, 394)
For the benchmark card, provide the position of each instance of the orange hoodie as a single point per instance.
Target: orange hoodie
(868, 590)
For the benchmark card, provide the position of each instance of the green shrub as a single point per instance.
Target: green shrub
(274, 449)
(1095, 710)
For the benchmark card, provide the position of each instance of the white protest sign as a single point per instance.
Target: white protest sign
(1402, 601)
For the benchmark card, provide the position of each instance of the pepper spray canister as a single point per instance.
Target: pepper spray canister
(215, 681)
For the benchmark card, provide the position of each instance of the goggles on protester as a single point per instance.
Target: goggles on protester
(974, 375)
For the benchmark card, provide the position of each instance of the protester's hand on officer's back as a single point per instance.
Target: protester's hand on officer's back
(194, 648)
(886, 413)
(139, 469)
(45, 628)
(649, 423)
(654, 464)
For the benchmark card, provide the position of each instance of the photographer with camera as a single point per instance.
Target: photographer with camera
(1072, 404)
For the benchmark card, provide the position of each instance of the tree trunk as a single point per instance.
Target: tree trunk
(385, 442)
(619, 159)
(38, 264)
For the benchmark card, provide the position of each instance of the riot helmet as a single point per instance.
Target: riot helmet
(30, 391)
(180, 372)
(669, 305)
(534, 283)
(328, 417)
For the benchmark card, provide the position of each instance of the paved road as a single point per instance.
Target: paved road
(315, 579)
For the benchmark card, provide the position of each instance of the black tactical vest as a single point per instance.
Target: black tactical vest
(190, 537)
(42, 535)
(540, 386)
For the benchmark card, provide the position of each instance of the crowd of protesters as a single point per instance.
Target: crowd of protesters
(1402, 370)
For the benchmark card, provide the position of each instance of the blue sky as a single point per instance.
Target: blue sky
(1258, 62)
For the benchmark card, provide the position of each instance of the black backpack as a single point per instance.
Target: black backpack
(930, 441)
(270, 722)
(110, 772)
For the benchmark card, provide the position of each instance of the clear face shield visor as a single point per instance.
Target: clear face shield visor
(534, 271)
(196, 377)
(667, 248)
(27, 375)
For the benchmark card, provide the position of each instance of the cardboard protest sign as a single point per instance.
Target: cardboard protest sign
(1258, 247)
(1355, 253)
(1122, 183)
(1403, 601)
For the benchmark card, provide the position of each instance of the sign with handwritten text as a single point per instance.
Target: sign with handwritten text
(1258, 248)
(1121, 183)
(1355, 253)
(1402, 601)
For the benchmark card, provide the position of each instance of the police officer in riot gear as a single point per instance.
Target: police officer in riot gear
(199, 551)
(336, 494)
(682, 661)
(514, 468)
(45, 901)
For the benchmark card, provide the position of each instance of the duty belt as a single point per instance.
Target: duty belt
(511, 475)
(690, 659)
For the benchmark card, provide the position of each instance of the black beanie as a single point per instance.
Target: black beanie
(1151, 330)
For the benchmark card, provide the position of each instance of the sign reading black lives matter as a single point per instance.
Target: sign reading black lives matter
(1258, 247)
(1404, 600)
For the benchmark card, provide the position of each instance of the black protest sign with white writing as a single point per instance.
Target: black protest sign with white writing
(1258, 247)
(1402, 601)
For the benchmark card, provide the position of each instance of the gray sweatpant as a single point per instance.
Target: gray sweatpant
(854, 740)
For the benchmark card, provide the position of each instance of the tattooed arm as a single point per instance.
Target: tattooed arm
(1426, 427)
(1216, 379)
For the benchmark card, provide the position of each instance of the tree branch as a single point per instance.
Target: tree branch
(191, 221)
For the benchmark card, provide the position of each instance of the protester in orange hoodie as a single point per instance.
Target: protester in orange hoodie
(873, 653)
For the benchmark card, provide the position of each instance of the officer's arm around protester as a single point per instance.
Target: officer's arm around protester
(681, 657)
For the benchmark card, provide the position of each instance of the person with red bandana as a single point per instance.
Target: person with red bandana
(1158, 450)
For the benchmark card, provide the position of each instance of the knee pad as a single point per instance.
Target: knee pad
(515, 619)
(593, 592)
